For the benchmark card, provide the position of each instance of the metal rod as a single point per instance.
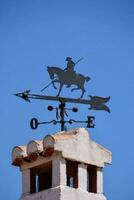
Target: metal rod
(95, 102)
(62, 113)
(46, 87)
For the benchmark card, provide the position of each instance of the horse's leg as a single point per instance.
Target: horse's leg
(83, 91)
(55, 81)
(75, 89)
(78, 88)
(61, 86)
(81, 86)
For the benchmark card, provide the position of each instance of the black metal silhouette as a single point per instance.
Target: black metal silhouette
(95, 102)
(70, 65)
(67, 78)
(98, 103)
(60, 116)
(69, 71)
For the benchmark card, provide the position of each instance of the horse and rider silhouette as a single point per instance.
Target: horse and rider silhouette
(67, 77)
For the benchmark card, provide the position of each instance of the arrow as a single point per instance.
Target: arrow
(95, 102)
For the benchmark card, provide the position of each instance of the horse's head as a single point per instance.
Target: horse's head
(51, 72)
(54, 71)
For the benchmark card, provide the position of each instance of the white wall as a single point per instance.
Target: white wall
(64, 193)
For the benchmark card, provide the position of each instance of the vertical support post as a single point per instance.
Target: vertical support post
(82, 176)
(25, 182)
(62, 112)
(99, 180)
(58, 171)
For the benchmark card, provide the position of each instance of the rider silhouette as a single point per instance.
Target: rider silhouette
(70, 69)
(70, 65)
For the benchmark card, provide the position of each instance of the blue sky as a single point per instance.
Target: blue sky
(35, 34)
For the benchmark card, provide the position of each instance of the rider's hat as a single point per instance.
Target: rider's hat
(68, 58)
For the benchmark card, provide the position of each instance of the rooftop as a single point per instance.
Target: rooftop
(75, 145)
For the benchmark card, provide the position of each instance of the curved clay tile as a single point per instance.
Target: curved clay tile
(48, 141)
(18, 153)
(48, 145)
(34, 148)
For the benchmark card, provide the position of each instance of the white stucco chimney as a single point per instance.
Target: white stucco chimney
(66, 165)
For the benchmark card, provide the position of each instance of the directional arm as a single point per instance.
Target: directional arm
(95, 102)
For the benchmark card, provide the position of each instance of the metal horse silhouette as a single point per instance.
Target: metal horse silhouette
(67, 77)
(64, 78)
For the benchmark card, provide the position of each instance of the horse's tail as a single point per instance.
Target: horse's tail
(87, 78)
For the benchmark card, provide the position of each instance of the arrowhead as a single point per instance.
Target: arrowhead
(23, 95)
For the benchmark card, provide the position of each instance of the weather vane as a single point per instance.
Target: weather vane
(67, 77)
